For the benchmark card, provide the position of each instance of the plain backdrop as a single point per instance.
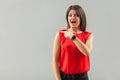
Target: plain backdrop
(28, 27)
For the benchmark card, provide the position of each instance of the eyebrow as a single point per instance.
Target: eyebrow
(72, 13)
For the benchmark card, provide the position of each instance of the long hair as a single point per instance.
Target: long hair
(81, 14)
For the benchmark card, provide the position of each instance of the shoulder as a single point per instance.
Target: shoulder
(88, 34)
(60, 32)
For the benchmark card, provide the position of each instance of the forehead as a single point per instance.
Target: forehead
(72, 11)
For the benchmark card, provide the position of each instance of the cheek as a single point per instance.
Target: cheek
(78, 20)
(68, 19)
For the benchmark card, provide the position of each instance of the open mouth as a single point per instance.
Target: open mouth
(73, 21)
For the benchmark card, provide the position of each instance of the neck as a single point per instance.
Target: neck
(74, 29)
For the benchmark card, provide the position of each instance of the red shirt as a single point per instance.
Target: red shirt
(72, 61)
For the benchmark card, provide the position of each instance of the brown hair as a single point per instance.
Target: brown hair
(80, 12)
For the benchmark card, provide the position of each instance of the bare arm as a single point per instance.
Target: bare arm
(56, 52)
(85, 48)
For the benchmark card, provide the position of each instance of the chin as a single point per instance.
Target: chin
(74, 26)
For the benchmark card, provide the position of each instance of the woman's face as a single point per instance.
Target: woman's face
(73, 19)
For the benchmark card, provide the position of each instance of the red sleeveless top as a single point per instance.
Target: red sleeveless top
(72, 61)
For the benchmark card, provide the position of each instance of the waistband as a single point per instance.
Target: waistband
(80, 75)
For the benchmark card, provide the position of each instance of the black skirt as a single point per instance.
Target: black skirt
(81, 76)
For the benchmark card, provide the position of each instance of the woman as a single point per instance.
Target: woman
(72, 47)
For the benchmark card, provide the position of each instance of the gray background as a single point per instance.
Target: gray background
(28, 27)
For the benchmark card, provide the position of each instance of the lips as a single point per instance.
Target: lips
(73, 21)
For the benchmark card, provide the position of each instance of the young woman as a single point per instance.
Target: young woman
(72, 47)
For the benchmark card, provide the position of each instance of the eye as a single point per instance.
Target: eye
(76, 15)
(70, 15)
